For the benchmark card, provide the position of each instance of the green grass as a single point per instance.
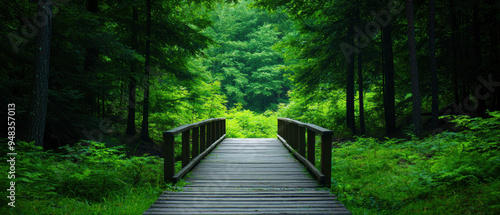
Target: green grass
(451, 173)
(130, 201)
(87, 178)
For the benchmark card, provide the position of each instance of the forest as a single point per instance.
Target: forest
(410, 89)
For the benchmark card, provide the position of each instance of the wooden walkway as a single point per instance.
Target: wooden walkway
(249, 176)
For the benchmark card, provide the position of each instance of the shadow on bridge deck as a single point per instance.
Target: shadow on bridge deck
(249, 176)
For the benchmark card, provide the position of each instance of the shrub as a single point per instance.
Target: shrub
(87, 173)
(248, 124)
(453, 172)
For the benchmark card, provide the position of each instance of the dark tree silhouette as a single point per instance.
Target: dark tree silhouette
(42, 67)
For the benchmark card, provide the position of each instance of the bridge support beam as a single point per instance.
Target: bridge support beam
(196, 142)
(302, 141)
(185, 148)
(326, 157)
(311, 146)
(168, 156)
(203, 138)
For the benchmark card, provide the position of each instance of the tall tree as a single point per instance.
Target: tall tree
(132, 80)
(388, 69)
(91, 57)
(494, 31)
(42, 67)
(147, 68)
(432, 56)
(417, 119)
(361, 99)
(477, 51)
(360, 85)
(351, 124)
(454, 48)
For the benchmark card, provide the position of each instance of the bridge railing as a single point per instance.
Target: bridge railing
(293, 135)
(198, 140)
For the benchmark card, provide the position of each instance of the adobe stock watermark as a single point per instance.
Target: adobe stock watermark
(11, 154)
(372, 28)
(106, 125)
(30, 28)
(97, 134)
(470, 104)
(482, 92)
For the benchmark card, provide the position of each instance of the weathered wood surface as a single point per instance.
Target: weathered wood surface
(249, 176)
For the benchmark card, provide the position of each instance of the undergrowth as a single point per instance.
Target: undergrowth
(87, 178)
(450, 173)
(248, 124)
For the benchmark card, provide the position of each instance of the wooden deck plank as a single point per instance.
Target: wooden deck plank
(249, 176)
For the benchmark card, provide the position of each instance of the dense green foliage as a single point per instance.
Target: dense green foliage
(333, 33)
(328, 110)
(243, 58)
(95, 58)
(173, 104)
(450, 173)
(248, 124)
(87, 178)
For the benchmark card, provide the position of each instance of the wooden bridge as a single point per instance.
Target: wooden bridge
(249, 176)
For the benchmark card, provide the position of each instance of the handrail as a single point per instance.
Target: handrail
(292, 134)
(204, 136)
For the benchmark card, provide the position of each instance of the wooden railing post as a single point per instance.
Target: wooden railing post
(326, 157)
(185, 148)
(289, 132)
(223, 126)
(293, 135)
(196, 141)
(284, 124)
(311, 146)
(203, 137)
(212, 132)
(220, 128)
(209, 134)
(168, 156)
(217, 129)
(222, 121)
(302, 141)
(285, 130)
(279, 128)
(296, 137)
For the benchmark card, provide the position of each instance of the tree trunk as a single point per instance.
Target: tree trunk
(432, 56)
(132, 82)
(92, 6)
(477, 52)
(389, 92)
(360, 82)
(103, 99)
(131, 108)
(493, 33)
(361, 102)
(350, 89)
(417, 119)
(145, 113)
(494, 50)
(91, 56)
(454, 49)
(42, 66)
